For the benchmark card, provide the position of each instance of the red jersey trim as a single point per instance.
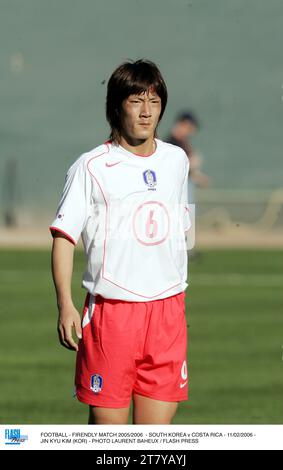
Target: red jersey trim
(51, 228)
(137, 154)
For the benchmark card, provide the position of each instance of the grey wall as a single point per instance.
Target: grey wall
(222, 58)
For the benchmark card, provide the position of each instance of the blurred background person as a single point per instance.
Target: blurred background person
(185, 127)
(10, 192)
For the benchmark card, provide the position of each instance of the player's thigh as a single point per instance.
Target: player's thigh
(149, 411)
(101, 415)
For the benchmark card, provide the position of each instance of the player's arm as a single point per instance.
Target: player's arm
(62, 269)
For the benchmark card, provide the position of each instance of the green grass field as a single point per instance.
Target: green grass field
(235, 345)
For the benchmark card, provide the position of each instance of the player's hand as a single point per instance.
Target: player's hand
(69, 319)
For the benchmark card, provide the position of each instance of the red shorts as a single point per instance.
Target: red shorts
(128, 347)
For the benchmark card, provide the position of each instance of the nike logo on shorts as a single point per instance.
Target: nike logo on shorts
(111, 164)
(182, 385)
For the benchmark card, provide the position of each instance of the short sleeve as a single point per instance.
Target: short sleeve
(73, 208)
(185, 199)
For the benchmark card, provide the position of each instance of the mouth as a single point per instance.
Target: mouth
(145, 124)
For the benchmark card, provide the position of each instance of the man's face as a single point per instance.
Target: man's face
(140, 114)
(188, 129)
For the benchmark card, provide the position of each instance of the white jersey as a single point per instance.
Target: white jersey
(132, 212)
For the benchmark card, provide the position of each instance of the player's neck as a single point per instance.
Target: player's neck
(137, 147)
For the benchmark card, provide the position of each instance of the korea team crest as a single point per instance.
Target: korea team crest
(149, 177)
(96, 383)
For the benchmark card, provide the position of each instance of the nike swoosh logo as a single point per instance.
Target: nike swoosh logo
(182, 385)
(112, 164)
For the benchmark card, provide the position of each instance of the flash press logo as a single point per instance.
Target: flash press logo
(13, 437)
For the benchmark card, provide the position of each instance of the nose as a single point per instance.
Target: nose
(145, 109)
